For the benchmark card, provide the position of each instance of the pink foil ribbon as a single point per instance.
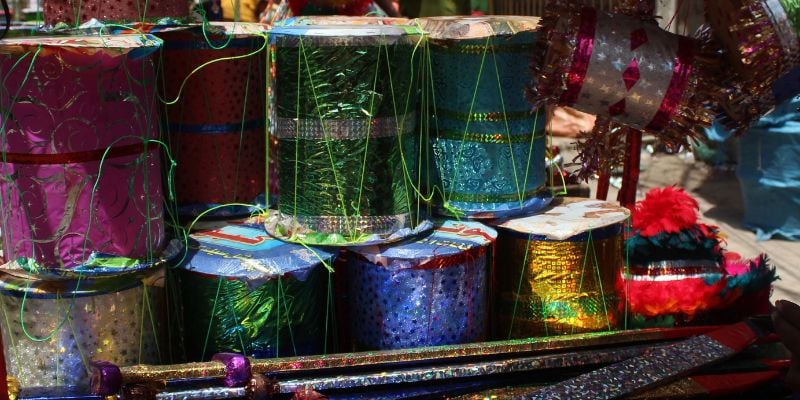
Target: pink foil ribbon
(681, 72)
(76, 103)
(582, 56)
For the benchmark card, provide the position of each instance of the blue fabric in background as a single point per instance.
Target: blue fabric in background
(769, 164)
(769, 173)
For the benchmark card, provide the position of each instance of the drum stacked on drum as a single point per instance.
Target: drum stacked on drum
(556, 271)
(215, 117)
(346, 125)
(82, 205)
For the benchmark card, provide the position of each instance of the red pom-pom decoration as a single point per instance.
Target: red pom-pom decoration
(667, 210)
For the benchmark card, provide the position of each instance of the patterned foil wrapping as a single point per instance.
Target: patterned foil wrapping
(556, 272)
(53, 329)
(345, 97)
(488, 146)
(626, 69)
(341, 20)
(428, 291)
(75, 12)
(247, 293)
(217, 128)
(474, 370)
(81, 179)
(760, 38)
(656, 366)
(387, 358)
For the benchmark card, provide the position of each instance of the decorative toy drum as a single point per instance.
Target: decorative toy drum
(75, 12)
(330, 7)
(81, 183)
(489, 147)
(53, 329)
(556, 271)
(428, 291)
(761, 41)
(341, 20)
(346, 129)
(625, 69)
(247, 293)
(217, 129)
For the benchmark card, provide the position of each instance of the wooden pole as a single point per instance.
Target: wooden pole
(630, 177)
(603, 183)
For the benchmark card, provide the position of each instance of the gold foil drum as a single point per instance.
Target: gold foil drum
(556, 271)
(52, 330)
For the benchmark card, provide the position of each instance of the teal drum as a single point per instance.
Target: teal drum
(346, 126)
(488, 145)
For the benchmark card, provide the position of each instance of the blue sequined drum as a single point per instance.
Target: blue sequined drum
(488, 145)
(428, 291)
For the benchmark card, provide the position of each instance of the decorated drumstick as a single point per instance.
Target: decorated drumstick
(746, 374)
(484, 371)
(660, 365)
(108, 379)
(715, 385)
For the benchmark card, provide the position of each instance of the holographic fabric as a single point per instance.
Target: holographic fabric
(74, 12)
(347, 143)
(565, 286)
(556, 271)
(488, 145)
(217, 128)
(80, 175)
(75, 322)
(245, 292)
(429, 291)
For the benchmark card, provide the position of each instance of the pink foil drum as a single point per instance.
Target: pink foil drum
(80, 180)
(75, 12)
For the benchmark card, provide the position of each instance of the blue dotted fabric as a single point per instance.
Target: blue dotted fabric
(406, 308)
(479, 177)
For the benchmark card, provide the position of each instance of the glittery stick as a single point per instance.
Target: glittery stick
(460, 371)
(359, 380)
(204, 394)
(658, 365)
(384, 359)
